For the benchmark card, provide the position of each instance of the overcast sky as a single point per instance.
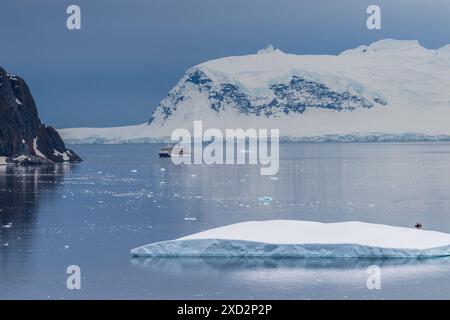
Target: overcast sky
(130, 53)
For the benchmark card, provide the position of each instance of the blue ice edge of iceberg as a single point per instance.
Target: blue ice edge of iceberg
(203, 248)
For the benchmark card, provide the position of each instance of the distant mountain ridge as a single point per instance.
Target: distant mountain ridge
(391, 88)
(24, 139)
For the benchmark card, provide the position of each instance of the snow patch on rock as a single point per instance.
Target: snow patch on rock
(62, 155)
(36, 149)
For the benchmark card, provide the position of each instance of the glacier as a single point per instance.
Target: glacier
(390, 90)
(304, 239)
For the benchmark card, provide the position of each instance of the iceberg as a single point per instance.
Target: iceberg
(304, 239)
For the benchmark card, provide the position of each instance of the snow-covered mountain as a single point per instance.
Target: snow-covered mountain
(389, 90)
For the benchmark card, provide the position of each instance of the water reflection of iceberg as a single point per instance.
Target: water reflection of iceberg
(301, 278)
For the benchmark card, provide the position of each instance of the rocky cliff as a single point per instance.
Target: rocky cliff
(24, 139)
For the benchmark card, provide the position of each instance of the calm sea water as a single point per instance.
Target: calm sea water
(122, 196)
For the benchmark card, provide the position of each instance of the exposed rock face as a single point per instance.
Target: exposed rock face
(294, 96)
(24, 138)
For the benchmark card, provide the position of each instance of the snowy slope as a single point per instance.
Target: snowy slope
(292, 238)
(391, 88)
(142, 133)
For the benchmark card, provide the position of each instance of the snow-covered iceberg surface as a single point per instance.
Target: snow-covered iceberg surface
(304, 239)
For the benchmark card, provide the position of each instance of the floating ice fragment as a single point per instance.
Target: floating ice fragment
(266, 200)
(304, 239)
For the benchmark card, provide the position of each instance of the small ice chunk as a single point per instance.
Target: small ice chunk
(265, 200)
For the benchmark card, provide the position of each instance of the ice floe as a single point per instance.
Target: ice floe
(304, 239)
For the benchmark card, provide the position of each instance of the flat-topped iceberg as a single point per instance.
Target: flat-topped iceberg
(304, 239)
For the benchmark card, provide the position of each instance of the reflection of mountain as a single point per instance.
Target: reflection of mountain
(21, 191)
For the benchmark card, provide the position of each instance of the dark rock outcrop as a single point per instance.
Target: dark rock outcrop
(24, 139)
(295, 96)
